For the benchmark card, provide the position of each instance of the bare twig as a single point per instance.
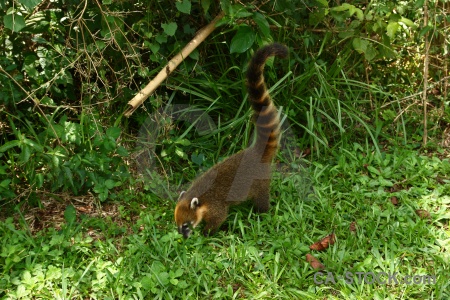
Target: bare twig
(446, 55)
(37, 105)
(425, 75)
(201, 35)
(416, 95)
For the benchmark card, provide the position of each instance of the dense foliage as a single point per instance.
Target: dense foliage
(359, 73)
(68, 70)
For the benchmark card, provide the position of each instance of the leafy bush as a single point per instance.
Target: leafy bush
(349, 95)
(59, 159)
(67, 71)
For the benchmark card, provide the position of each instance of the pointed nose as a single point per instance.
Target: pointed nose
(185, 231)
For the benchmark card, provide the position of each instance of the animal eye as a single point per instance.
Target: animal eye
(187, 225)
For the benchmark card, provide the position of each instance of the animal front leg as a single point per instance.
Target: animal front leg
(214, 220)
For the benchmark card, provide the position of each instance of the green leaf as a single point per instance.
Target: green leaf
(102, 194)
(346, 34)
(5, 183)
(425, 30)
(69, 175)
(359, 14)
(178, 273)
(113, 132)
(360, 45)
(205, 5)
(147, 282)
(31, 70)
(158, 267)
(122, 151)
(14, 22)
(30, 4)
(351, 10)
(161, 38)
(3, 170)
(238, 11)
(195, 54)
(33, 144)
(198, 159)
(385, 182)
(55, 161)
(226, 7)
(26, 277)
(317, 16)
(169, 28)
(408, 22)
(71, 133)
(183, 142)
(9, 145)
(243, 40)
(373, 170)
(110, 184)
(419, 4)
(322, 3)
(391, 29)
(25, 154)
(154, 47)
(39, 180)
(184, 6)
(371, 52)
(22, 292)
(46, 100)
(70, 214)
(164, 278)
(262, 23)
(188, 29)
(344, 7)
(179, 152)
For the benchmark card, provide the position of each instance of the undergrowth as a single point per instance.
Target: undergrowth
(86, 195)
(258, 256)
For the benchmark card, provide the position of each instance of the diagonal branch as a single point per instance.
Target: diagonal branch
(201, 35)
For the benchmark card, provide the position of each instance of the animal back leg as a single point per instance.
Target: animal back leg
(261, 197)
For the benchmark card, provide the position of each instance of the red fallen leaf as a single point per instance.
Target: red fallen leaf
(323, 243)
(394, 200)
(306, 152)
(317, 246)
(314, 262)
(394, 188)
(353, 227)
(423, 214)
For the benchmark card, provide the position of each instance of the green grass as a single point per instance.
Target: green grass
(255, 256)
(63, 138)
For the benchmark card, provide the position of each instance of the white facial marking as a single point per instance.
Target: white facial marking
(194, 203)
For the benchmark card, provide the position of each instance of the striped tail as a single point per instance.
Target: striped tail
(265, 113)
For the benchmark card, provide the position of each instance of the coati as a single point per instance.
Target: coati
(244, 175)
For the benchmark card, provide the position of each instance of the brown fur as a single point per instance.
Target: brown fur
(244, 175)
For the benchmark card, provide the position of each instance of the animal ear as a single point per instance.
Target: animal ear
(181, 194)
(194, 203)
